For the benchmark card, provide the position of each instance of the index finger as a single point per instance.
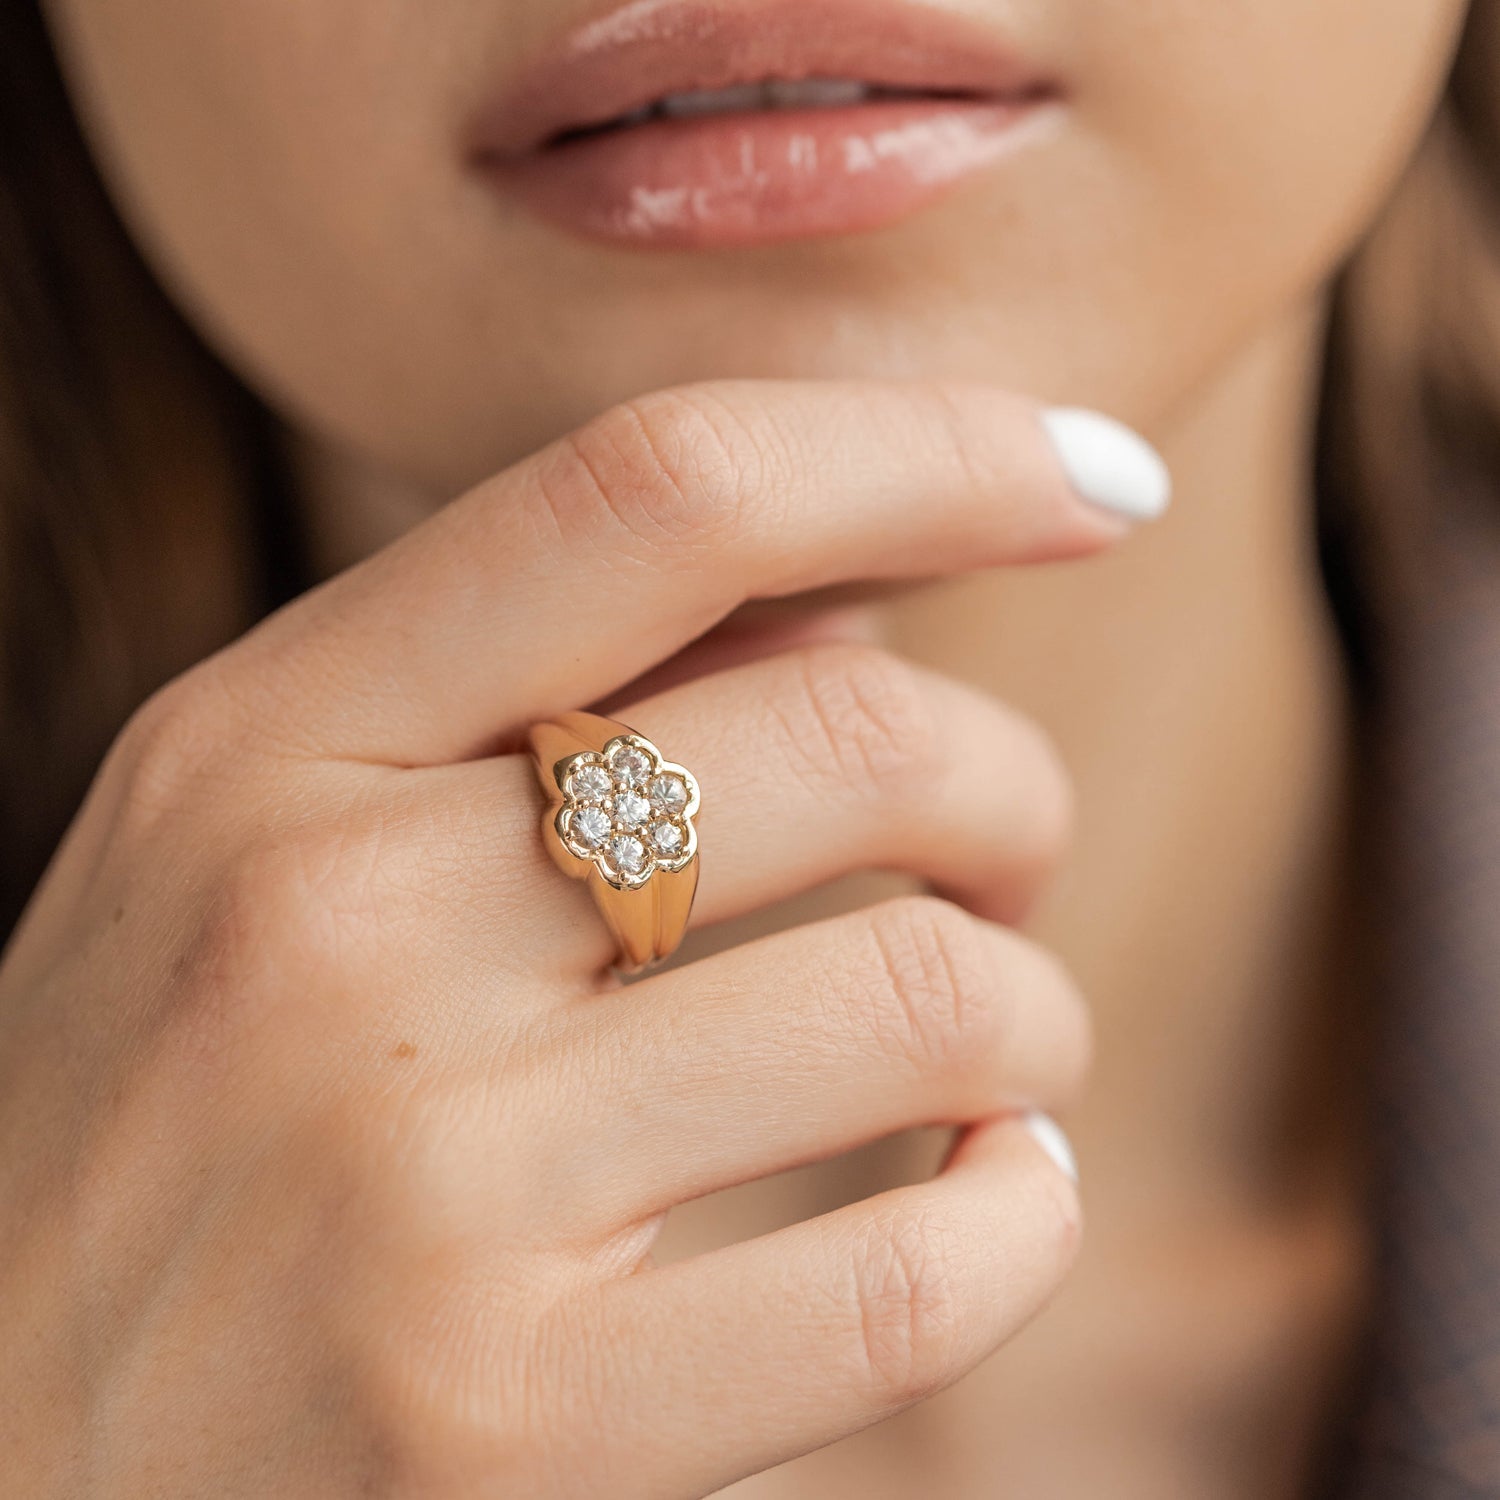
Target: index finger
(571, 573)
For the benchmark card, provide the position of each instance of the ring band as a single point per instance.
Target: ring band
(621, 817)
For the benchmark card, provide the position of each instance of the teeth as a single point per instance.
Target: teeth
(802, 93)
(816, 93)
(714, 101)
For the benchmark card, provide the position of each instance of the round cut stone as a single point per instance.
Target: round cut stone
(627, 854)
(589, 826)
(625, 809)
(668, 795)
(666, 839)
(589, 783)
(631, 766)
(630, 809)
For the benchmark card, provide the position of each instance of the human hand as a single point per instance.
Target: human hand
(331, 1157)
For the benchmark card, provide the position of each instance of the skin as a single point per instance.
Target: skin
(336, 1096)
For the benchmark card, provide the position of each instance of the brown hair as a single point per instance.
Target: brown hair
(136, 474)
(142, 515)
(1411, 383)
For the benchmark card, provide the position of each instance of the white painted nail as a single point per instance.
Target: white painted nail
(1108, 463)
(1048, 1134)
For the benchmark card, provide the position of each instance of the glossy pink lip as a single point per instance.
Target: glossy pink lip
(760, 175)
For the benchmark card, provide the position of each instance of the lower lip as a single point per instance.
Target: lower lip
(755, 179)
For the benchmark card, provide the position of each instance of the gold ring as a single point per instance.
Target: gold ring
(620, 816)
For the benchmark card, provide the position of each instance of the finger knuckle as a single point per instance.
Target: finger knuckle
(934, 1005)
(863, 722)
(171, 748)
(381, 1175)
(674, 473)
(909, 1310)
(429, 1417)
(303, 900)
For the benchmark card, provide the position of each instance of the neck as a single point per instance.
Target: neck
(1190, 680)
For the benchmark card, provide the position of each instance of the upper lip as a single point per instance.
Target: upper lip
(633, 55)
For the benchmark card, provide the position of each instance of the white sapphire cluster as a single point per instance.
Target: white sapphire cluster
(627, 810)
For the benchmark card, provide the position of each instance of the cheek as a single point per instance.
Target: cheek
(1225, 169)
(285, 167)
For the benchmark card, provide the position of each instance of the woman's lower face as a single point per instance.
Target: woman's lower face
(369, 211)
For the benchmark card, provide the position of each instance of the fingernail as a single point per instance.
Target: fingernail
(1048, 1134)
(1109, 464)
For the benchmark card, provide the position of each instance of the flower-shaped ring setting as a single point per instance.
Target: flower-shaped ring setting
(622, 817)
(628, 809)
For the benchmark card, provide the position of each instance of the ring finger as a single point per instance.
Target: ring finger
(812, 764)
